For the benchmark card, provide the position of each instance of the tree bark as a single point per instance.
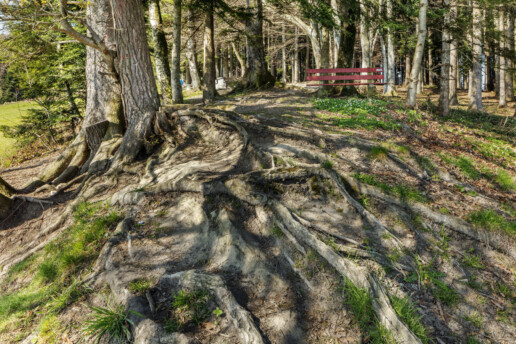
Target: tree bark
(139, 91)
(365, 40)
(257, 75)
(296, 65)
(160, 49)
(444, 95)
(453, 56)
(391, 58)
(476, 75)
(191, 51)
(501, 28)
(177, 89)
(208, 88)
(239, 58)
(509, 74)
(283, 56)
(418, 55)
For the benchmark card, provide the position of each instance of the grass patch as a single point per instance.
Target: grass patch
(505, 180)
(327, 164)
(140, 286)
(56, 270)
(404, 193)
(360, 304)
(489, 219)
(111, 323)
(10, 115)
(369, 114)
(407, 312)
(378, 153)
(189, 309)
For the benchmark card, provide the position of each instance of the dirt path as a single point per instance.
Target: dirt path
(264, 211)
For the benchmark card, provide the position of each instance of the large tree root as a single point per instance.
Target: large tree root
(360, 276)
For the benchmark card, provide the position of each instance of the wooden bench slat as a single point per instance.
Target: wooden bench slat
(345, 70)
(350, 84)
(344, 77)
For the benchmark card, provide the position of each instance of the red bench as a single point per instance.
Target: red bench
(377, 74)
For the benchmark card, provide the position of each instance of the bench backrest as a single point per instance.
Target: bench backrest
(373, 74)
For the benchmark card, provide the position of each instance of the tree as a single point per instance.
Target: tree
(444, 96)
(502, 66)
(256, 74)
(391, 59)
(476, 75)
(208, 88)
(177, 89)
(160, 49)
(191, 49)
(453, 55)
(418, 55)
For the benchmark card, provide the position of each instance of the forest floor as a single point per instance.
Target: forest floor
(261, 223)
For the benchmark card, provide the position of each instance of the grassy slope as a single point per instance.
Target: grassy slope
(11, 114)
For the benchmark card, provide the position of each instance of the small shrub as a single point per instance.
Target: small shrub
(327, 164)
(48, 270)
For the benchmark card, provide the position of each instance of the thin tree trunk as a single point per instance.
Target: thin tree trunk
(501, 28)
(476, 75)
(453, 56)
(239, 58)
(444, 95)
(139, 91)
(225, 64)
(509, 74)
(408, 68)
(418, 55)
(191, 51)
(365, 40)
(296, 65)
(430, 60)
(177, 89)
(231, 67)
(283, 56)
(208, 89)
(160, 49)
(391, 58)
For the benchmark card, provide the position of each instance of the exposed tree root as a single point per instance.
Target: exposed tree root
(360, 276)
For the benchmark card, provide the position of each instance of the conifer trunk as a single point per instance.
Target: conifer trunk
(476, 75)
(208, 87)
(191, 51)
(160, 49)
(444, 96)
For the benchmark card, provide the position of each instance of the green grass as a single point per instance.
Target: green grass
(140, 286)
(56, 270)
(489, 219)
(327, 164)
(505, 180)
(369, 114)
(378, 153)
(11, 114)
(189, 309)
(404, 193)
(111, 323)
(407, 312)
(360, 304)
(475, 319)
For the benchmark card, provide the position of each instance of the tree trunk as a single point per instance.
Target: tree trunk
(476, 75)
(191, 51)
(408, 68)
(208, 88)
(231, 67)
(239, 58)
(444, 95)
(391, 58)
(224, 63)
(501, 28)
(139, 91)
(177, 89)
(453, 56)
(418, 55)
(430, 61)
(365, 40)
(337, 32)
(509, 74)
(257, 75)
(296, 64)
(283, 56)
(160, 49)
